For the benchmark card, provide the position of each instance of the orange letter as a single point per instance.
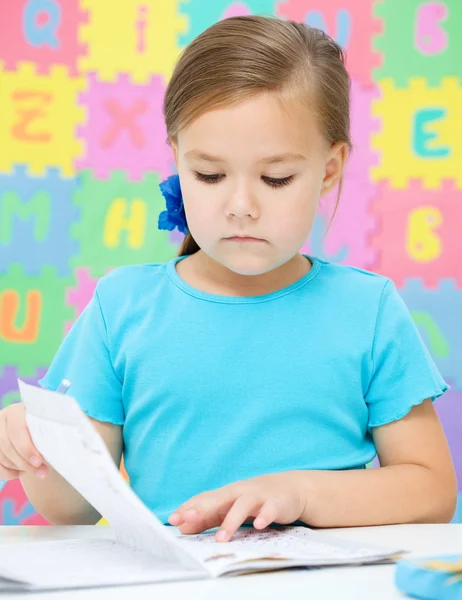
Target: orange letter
(19, 130)
(9, 309)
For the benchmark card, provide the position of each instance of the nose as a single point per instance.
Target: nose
(241, 203)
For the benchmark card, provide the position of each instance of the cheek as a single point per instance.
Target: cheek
(201, 216)
(294, 218)
(293, 228)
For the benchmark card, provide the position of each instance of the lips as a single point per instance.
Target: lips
(244, 238)
(239, 238)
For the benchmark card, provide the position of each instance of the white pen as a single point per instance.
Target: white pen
(63, 386)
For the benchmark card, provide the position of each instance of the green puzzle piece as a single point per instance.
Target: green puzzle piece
(119, 223)
(420, 39)
(33, 314)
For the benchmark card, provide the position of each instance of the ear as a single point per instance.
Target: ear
(335, 164)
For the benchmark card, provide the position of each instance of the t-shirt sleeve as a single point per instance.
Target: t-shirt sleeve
(403, 372)
(84, 359)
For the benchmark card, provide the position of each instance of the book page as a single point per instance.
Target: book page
(282, 547)
(66, 564)
(68, 441)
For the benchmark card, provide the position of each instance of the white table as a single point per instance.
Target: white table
(345, 583)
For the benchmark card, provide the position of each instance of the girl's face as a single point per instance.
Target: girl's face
(251, 177)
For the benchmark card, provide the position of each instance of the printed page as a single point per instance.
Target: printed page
(67, 564)
(69, 442)
(282, 547)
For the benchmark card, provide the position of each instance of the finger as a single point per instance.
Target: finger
(18, 463)
(7, 470)
(8, 474)
(6, 462)
(203, 506)
(211, 521)
(237, 515)
(178, 516)
(15, 464)
(21, 442)
(268, 513)
(13, 455)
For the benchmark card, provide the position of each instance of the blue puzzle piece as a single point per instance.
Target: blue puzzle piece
(317, 242)
(12, 518)
(36, 214)
(200, 19)
(437, 316)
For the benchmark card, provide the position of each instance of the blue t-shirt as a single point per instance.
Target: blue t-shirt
(215, 389)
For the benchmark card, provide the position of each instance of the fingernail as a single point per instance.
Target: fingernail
(174, 517)
(35, 461)
(259, 522)
(222, 536)
(191, 513)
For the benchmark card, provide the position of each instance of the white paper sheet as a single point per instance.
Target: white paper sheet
(71, 445)
(66, 564)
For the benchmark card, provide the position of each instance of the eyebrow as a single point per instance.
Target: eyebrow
(277, 158)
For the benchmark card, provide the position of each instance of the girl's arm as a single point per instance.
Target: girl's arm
(416, 482)
(56, 500)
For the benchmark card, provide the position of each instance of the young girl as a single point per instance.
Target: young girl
(244, 381)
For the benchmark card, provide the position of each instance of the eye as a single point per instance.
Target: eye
(215, 178)
(273, 182)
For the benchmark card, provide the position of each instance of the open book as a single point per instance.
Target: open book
(143, 550)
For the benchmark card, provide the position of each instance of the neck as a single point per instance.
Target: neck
(210, 276)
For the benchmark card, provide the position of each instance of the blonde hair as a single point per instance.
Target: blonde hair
(240, 56)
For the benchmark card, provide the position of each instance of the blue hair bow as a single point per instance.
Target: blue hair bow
(174, 216)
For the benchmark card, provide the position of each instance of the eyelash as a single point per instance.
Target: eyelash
(271, 181)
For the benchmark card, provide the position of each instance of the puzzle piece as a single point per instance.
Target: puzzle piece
(348, 238)
(15, 508)
(434, 313)
(351, 24)
(449, 410)
(9, 392)
(125, 129)
(32, 317)
(418, 233)
(138, 38)
(199, 19)
(41, 31)
(35, 218)
(38, 117)
(419, 39)
(119, 222)
(81, 295)
(176, 238)
(421, 133)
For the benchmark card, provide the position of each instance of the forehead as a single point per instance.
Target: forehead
(263, 122)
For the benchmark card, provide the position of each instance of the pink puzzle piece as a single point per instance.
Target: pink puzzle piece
(348, 239)
(418, 233)
(351, 24)
(14, 498)
(81, 295)
(236, 9)
(125, 129)
(44, 33)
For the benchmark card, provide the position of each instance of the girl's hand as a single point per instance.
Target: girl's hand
(270, 498)
(17, 451)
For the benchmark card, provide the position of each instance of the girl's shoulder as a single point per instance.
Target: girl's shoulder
(353, 280)
(123, 285)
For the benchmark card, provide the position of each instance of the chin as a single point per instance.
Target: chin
(248, 265)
